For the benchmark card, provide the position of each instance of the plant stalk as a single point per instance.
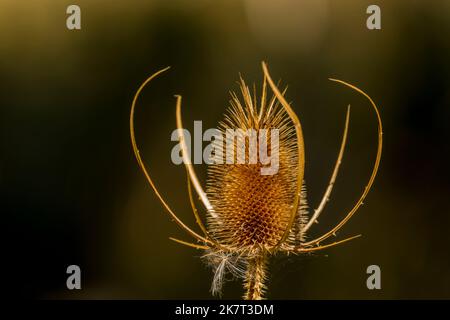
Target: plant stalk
(255, 278)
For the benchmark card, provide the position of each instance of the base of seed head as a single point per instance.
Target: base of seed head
(251, 217)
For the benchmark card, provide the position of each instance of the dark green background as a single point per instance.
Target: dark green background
(70, 188)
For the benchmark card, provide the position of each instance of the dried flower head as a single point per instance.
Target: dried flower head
(251, 216)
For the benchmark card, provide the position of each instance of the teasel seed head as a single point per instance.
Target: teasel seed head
(253, 210)
(251, 216)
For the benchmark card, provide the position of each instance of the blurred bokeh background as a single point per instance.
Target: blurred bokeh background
(71, 191)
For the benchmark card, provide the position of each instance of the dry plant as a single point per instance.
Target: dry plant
(251, 217)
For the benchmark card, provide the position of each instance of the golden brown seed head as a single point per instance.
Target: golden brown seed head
(253, 210)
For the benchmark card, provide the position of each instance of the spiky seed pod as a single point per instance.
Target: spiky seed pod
(253, 210)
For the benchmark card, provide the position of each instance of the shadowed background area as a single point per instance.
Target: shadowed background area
(71, 191)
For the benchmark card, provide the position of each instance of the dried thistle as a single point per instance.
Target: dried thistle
(251, 217)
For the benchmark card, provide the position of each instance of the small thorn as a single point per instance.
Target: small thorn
(316, 221)
(334, 234)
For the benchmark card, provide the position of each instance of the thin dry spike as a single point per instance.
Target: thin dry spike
(247, 99)
(142, 165)
(188, 163)
(274, 102)
(300, 147)
(305, 250)
(326, 196)
(255, 101)
(372, 176)
(194, 208)
(193, 245)
(197, 216)
(263, 99)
